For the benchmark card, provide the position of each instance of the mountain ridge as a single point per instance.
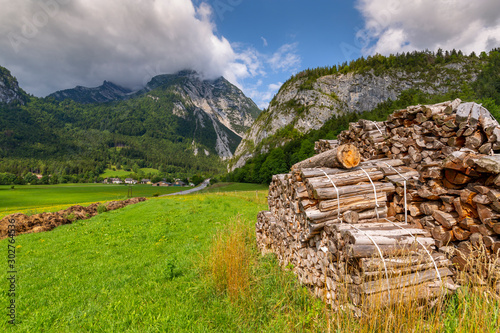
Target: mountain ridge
(309, 99)
(179, 123)
(107, 92)
(10, 92)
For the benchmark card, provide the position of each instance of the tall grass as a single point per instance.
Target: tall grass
(261, 291)
(230, 259)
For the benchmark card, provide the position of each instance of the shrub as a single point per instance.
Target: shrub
(102, 209)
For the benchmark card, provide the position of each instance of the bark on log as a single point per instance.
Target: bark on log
(344, 156)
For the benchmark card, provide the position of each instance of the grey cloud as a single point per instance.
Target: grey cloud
(56, 44)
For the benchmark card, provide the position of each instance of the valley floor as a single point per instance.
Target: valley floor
(152, 267)
(30, 199)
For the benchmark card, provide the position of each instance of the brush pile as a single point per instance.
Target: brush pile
(48, 221)
(426, 190)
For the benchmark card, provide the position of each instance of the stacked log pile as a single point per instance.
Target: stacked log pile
(48, 221)
(324, 145)
(345, 227)
(455, 197)
(335, 225)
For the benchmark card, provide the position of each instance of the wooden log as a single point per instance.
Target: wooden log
(490, 240)
(330, 193)
(464, 210)
(461, 234)
(376, 264)
(346, 201)
(475, 140)
(406, 280)
(424, 291)
(344, 156)
(429, 207)
(456, 177)
(442, 235)
(381, 240)
(486, 214)
(366, 165)
(445, 219)
(364, 251)
(489, 163)
(350, 216)
(344, 179)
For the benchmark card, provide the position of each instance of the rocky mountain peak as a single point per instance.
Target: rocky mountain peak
(107, 92)
(9, 88)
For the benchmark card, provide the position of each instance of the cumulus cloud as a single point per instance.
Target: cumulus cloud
(399, 26)
(57, 44)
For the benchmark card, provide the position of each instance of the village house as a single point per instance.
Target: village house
(116, 181)
(162, 183)
(146, 181)
(130, 181)
(179, 183)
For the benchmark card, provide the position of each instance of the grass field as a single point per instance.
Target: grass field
(190, 264)
(232, 187)
(136, 269)
(44, 198)
(122, 173)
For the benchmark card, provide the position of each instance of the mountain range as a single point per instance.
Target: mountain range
(183, 123)
(177, 121)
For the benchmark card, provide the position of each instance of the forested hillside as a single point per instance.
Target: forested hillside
(161, 127)
(275, 153)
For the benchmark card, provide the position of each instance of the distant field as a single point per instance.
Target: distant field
(231, 187)
(42, 198)
(122, 173)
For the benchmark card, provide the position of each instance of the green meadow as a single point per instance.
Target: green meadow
(234, 187)
(30, 199)
(138, 269)
(190, 264)
(123, 173)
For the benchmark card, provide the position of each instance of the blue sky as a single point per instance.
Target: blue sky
(297, 34)
(51, 45)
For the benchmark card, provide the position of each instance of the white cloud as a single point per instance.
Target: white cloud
(56, 44)
(264, 41)
(285, 58)
(397, 25)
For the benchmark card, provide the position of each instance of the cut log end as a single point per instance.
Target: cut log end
(349, 156)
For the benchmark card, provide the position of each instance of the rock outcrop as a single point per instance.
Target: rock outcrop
(307, 109)
(9, 88)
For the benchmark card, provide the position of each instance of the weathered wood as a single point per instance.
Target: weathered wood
(445, 219)
(489, 163)
(363, 251)
(376, 264)
(330, 193)
(346, 201)
(399, 282)
(343, 179)
(427, 290)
